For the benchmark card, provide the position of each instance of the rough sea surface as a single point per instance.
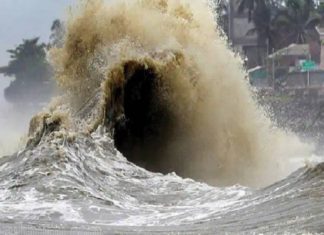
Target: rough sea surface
(151, 86)
(89, 186)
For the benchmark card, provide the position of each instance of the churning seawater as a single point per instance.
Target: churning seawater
(155, 104)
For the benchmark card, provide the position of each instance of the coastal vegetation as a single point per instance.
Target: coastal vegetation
(29, 70)
(278, 24)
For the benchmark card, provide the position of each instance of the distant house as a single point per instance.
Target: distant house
(294, 68)
(289, 58)
(320, 30)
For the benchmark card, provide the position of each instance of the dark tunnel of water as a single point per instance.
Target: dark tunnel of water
(141, 132)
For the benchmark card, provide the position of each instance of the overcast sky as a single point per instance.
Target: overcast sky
(25, 19)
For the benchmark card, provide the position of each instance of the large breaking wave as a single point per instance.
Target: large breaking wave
(151, 87)
(160, 78)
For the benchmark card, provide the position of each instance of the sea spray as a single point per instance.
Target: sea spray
(153, 79)
(161, 79)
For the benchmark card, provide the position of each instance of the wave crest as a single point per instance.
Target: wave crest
(161, 80)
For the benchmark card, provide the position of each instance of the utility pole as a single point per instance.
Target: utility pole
(230, 6)
(308, 73)
(273, 69)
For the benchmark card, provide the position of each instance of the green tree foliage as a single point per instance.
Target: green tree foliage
(31, 73)
(281, 23)
(297, 21)
(27, 61)
(32, 83)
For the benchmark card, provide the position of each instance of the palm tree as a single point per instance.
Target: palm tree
(261, 12)
(262, 18)
(297, 22)
(252, 6)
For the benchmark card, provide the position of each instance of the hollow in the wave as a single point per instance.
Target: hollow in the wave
(141, 128)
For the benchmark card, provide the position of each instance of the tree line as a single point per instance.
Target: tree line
(278, 23)
(32, 75)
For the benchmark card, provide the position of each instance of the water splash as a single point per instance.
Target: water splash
(162, 79)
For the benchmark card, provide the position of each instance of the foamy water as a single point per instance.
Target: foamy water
(155, 107)
(170, 54)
